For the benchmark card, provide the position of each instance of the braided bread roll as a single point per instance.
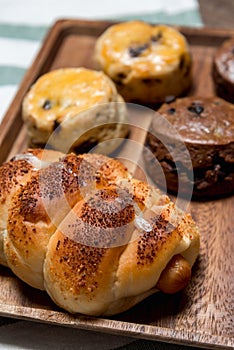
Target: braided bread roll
(96, 239)
(14, 174)
(39, 205)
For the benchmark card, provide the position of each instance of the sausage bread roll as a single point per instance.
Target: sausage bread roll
(96, 239)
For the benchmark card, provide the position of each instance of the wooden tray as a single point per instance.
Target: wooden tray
(202, 315)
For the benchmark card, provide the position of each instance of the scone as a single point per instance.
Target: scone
(223, 70)
(148, 63)
(75, 109)
(206, 127)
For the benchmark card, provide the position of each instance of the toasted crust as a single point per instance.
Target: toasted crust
(75, 266)
(107, 170)
(147, 255)
(14, 174)
(111, 279)
(96, 239)
(38, 207)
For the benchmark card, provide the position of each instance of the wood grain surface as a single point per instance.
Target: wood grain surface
(216, 13)
(201, 315)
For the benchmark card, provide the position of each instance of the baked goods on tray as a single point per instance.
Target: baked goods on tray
(72, 109)
(97, 240)
(206, 127)
(148, 63)
(223, 70)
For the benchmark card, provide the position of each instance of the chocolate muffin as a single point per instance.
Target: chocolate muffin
(223, 70)
(205, 128)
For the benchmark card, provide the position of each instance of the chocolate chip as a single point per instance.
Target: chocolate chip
(119, 78)
(211, 176)
(56, 126)
(171, 110)
(152, 81)
(186, 70)
(121, 75)
(47, 105)
(147, 81)
(137, 51)
(196, 108)
(119, 83)
(182, 62)
(156, 37)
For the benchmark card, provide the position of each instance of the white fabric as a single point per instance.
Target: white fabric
(18, 52)
(45, 11)
(6, 94)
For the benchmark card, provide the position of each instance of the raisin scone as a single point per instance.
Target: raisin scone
(148, 63)
(223, 70)
(206, 127)
(75, 109)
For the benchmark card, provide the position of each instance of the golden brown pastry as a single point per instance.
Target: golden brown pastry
(75, 108)
(15, 173)
(121, 271)
(96, 239)
(38, 207)
(148, 63)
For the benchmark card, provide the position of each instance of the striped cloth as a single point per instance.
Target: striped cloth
(23, 25)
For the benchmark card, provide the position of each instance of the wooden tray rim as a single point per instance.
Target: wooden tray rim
(123, 328)
(57, 31)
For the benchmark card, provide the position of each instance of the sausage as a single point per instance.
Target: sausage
(175, 276)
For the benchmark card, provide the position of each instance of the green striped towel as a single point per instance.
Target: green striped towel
(23, 25)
